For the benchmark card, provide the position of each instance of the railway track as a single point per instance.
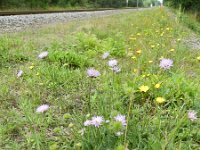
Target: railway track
(7, 13)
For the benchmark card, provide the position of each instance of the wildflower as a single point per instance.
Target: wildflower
(152, 46)
(138, 34)
(133, 57)
(105, 55)
(78, 145)
(107, 121)
(160, 100)
(70, 125)
(172, 50)
(121, 118)
(135, 70)
(93, 73)
(116, 69)
(144, 88)
(43, 55)
(31, 67)
(198, 58)
(178, 40)
(37, 74)
(139, 51)
(42, 108)
(97, 121)
(112, 63)
(157, 86)
(19, 73)
(150, 61)
(166, 63)
(192, 115)
(87, 123)
(119, 133)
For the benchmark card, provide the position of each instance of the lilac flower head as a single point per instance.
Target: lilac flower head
(116, 69)
(97, 121)
(43, 55)
(87, 123)
(19, 73)
(105, 55)
(166, 63)
(192, 115)
(121, 118)
(112, 63)
(93, 73)
(42, 108)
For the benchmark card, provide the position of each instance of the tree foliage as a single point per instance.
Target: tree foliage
(72, 3)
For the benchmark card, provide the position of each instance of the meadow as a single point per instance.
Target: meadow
(121, 82)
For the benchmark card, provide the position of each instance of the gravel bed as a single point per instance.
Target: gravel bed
(20, 22)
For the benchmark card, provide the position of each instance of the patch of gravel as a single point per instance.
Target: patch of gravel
(20, 22)
(193, 41)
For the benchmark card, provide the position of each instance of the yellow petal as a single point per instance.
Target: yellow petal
(160, 100)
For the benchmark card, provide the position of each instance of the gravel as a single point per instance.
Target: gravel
(20, 22)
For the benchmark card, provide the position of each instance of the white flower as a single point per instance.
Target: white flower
(112, 63)
(166, 64)
(19, 73)
(42, 108)
(43, 55)
(105, 55)
(192, 115)
(119, 133)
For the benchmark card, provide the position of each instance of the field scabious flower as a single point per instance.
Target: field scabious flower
(42, 108)
(19, 73)
(112, 63)
(116, 69)
(93, 73)
(166, 64)
(95, 121)
(143, 88)
(192, 115)
(43, 55)
(105, 55)
(121, 118)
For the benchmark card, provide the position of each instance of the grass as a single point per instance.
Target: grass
(137, 40)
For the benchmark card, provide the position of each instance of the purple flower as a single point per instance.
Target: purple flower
(105, 55)
(42, 108)
(97, 121)
(112, 63)
(87, 123)
(192, 115)
(93, 73)
(116, 69)
(166, 63)
(19, 73)
(43, 55)
(121, 118)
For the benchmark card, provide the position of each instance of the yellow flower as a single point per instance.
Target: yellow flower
(161, 57)
(168, 29)
(178, 40)
(157, 86)
(31, 67)
(135, 70)
(144, 88)
(160, 100)
(138, 34)
(172, 50)
(133, 57)
(139, 51)
(148, 75)
(70, 125)
(144, 76)
(198, 58)
(152, 46)
(150, 61)
(37, 74)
